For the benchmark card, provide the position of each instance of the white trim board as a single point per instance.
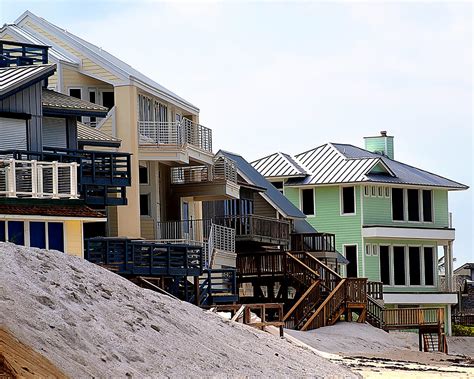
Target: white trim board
(408, 233)
(420, 298)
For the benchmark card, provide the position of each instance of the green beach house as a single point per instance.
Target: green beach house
(390, 218)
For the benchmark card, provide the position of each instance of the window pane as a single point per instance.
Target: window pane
(144, 205)
(75, 92)
(143, 174)
(427, 206)
(308, 201)
(429, 272)
(397, 204)
(55, 236)
(2, 231)
(16, 232)
(38, 234)
(351, 256)
(278, 185)
(413, 205)
(384, 265)
(399, 265)
(415, 274)
(348, 204)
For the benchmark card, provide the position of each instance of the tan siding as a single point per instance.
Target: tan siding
(75, 78)
(8, 37)
(147, 228)
(262, 208)
(106, 127)
(73, 233)
(88, 65)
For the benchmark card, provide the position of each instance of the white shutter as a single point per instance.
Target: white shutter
(54, 132)
(12, 134)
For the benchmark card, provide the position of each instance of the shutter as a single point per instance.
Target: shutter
(54, 132)
(13, 134)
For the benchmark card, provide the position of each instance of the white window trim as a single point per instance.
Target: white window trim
(380, 191)
(373, 191)
(420, 207)
(368, 249)
(75, 87)
(147, 166)
(301, 201)
(27, 234)
(357, 257)
(341, 203)
(366, 191)
(389, 191)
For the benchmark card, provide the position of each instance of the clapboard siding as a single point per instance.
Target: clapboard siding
(262, 208)
(28, 101)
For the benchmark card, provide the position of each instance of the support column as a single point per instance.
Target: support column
(449, 329)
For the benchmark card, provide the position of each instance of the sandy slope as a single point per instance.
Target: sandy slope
(90, 322)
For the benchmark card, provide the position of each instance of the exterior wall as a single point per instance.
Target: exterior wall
(74, 244)
(328, 218)
(262, 208)
(28, 101)
(73, 78)
(380, 143)
(378, 211)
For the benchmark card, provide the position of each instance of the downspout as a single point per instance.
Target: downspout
(60, 77)
(361, 225)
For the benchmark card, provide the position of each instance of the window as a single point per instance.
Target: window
(375, 250)
(368, 249)
(385, 264)
(427, 206)
(55, 236)
(16, 232)
(399, 264)
(307, 205)
(145, 205)
(428, 263)
(380, 191)
(348, 200)
(143, 174)
(373, 191)
(413, 205)
(75, 92)
(397, 204)
(366, 190)
(351, 256)
(108, 100)
(414, 263)
(2, 231)
(278, 186)
(387, 191)
(38, 234)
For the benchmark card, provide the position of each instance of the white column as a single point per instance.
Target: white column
(448, 330)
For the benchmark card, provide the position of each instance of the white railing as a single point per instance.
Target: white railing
(37, 179)
(223, 169)
(176, 133)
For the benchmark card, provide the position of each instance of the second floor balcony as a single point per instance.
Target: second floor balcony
(180, 137)
(97, 177)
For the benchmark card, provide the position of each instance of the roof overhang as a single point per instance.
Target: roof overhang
(30, 80)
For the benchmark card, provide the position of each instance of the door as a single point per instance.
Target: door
(351, 255)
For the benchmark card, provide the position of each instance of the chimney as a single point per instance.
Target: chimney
(382, 144)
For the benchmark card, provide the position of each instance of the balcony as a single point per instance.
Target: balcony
(176, 141)
(207, 183)
(102, 177)
(38, 179)
(22, 54)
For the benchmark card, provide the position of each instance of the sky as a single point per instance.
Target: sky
(290, 76)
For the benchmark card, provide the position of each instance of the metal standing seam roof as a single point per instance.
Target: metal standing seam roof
(53, 100)
(335, 163)
(279, 165)
(86, 134)
(125, 68)
(15, 78)
(278, 200)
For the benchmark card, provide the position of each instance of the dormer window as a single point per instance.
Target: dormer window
(278, 186)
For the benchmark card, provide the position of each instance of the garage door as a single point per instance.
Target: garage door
(54, 132)
(12, 134)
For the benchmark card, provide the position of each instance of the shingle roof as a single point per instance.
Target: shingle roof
(335, 163)
(279, 165)
(87, 134)
(13, 79)
(55, 101)
(280, 202)
(59, 210)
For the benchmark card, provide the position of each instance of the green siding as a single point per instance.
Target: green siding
(293, 194)
(378, 211)
(381, 143)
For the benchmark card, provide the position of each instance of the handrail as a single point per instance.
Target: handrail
(325, 304)
(314, 242)
(375, 289)
(223, 169)
(413, 317)
(375, 312)
(302, 299)
(329, 278)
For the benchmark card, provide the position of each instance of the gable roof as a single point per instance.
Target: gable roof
(336, 163)
(14, 79)
(55, 102)
(271, 194)
(97, 55)
(279, 165)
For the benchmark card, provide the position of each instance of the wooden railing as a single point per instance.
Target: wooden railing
(315, 242)
(375, 290)
(303, 307)
(375, 313)
(253, 226)
(137, 257)
(327, 309)
(217, 285)
(412, 317)
(463, 319)
(223, 169)
(261, 264)
(329, 278)
(299, 271)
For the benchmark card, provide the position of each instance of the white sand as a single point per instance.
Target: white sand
(93, 323)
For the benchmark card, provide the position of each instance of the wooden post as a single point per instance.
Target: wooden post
(196, 289)
(419, 340)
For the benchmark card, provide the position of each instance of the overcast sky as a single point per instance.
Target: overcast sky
(281, 76)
